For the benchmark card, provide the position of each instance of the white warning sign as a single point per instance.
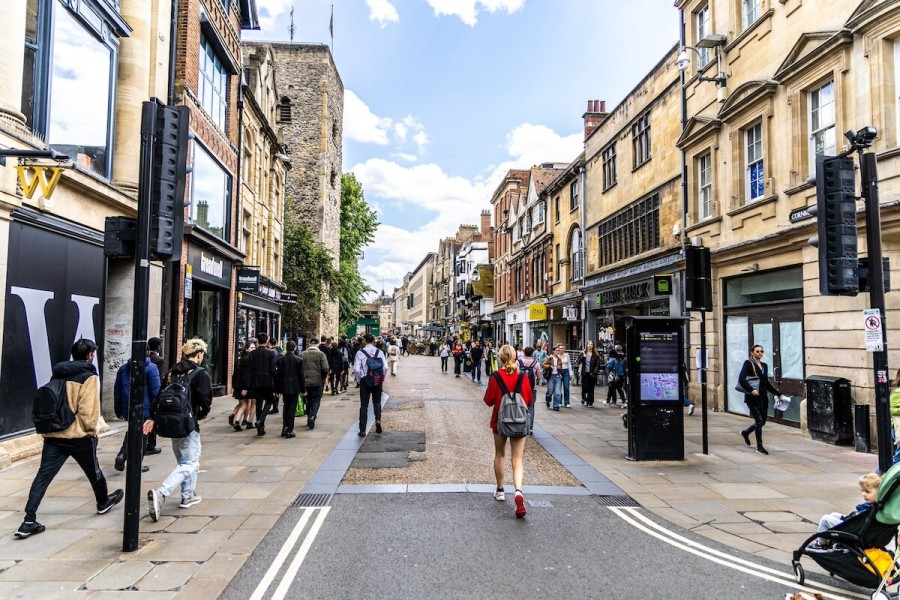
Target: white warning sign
(872, 326)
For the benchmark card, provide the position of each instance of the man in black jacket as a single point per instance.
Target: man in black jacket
(154, 351)
(262, 380)
(289, 382)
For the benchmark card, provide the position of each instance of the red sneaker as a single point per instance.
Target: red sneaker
(520, 505)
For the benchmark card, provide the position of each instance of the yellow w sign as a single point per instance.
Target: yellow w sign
(39, 178)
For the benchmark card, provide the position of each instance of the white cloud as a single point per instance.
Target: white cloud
(273, 15)
(382, 11)
(421, 140)
(361, 125)
(467, 10)
(448, 200)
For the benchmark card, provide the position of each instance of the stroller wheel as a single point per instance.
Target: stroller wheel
(799, 573)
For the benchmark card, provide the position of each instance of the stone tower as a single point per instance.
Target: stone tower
(310, 127)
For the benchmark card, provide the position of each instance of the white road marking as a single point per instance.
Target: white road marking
(632, 516)
(291, 572)
(286, 549)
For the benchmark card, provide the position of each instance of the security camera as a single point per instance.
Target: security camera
(684, 61)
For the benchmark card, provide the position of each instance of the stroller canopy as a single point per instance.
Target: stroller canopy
(889, 513)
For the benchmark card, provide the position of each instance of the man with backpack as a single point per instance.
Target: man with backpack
(262, 380)
(182, 404)
(70, 430)
(533, 370)
(369, 368)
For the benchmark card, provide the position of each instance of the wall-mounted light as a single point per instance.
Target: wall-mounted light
(751, 269)
(715, 41)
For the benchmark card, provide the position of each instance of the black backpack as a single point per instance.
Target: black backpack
(51, 412)
(528, 371)
(174, 415)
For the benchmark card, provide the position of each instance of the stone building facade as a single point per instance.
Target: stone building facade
(512, 189)
(310, 126)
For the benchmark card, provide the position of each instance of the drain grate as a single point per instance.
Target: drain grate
(308, 500)
(619, 501)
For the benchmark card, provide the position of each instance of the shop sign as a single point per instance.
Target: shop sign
(636, 292)
(570, 313)
(39, 179)
(248, 280)
(211, 265)
(662, 285)
(537, 312)
(288, 298)
(188, 282)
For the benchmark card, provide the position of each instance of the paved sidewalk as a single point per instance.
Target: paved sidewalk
(761, 504)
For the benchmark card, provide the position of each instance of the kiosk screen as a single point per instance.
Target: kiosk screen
(659, 366)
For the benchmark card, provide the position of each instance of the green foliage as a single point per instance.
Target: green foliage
(308, 272)
(358, 226)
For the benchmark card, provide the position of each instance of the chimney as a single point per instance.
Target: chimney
(596, 113)
(485, 224)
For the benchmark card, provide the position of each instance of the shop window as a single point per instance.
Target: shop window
(210, 193)
(753, 157)
(821, 123)
(71, 55)
(772, 286)
(213, 84)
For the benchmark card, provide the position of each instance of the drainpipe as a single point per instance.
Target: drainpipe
(170, 328)
(173, 49)
(684, 185)
(583, 172)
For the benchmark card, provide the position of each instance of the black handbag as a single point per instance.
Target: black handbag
(752, 383)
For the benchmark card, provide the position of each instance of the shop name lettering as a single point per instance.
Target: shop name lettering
(210, 265)
(35, 302)
(623, 295)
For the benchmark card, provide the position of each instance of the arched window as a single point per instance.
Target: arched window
(576, 255)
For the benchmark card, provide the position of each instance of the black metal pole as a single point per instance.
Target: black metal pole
(702, 372)
(869, 176)
(139, 334)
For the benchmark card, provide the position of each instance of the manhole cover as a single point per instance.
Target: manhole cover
(540, 503)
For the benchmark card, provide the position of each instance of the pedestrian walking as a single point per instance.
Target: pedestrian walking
(345, 363)
(192, 375)
(553, 368)
(489, 357)
(615, 378)
(895, 416)
(315, 373)
(533, 370)
(458, 355)
(122, 396)
(272, 345)
(540, 355)
(753, 380)
(335, 366)
(565, 372)
(78, 440)
(262, 380)
(509, 375)
(242, 391)
(475, 355)
(154, 351)
(444, 353)
(289, 382)
(685, 382)
(371, 381)
(589, 363)
(393, 353)
(404, 345)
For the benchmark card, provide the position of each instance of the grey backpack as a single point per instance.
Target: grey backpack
(512, 418)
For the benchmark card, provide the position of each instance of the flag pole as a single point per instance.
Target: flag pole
(331, 29)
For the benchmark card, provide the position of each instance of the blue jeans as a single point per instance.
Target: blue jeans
(187, 453)
(476, 371)
(565, 385)
(554, 390)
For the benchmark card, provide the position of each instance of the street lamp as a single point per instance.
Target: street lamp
(715, 41)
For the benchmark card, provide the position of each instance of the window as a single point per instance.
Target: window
(704, 186)
(749, 12)
(640, 134)
(68, 83)
(701, 24)
(558, 257)
(213, 92)
(609, 166)
(573, 196)
(631, 231)
(556, 208)
(210, 194)
(755, 185)
(577, 257)
(821, 123)
(284, 112)
(539, 210)
(517, 232)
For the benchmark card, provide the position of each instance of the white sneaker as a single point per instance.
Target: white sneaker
(500, 496)
(154, 502)
(189, 502)
(690, 409)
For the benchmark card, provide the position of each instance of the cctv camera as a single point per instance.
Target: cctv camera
(683, 61)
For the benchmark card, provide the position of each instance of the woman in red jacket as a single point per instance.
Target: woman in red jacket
(509, 373)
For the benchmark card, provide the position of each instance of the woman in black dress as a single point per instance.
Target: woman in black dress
(756, 395)
(589, 363)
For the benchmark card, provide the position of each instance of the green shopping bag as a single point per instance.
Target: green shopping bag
(301, 407)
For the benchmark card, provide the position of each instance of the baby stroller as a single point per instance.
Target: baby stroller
(857, 552)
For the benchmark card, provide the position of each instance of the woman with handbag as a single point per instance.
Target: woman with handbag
(589, 363)
(458, 356)
(753, 381)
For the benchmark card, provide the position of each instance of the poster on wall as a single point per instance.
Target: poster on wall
(54, 296)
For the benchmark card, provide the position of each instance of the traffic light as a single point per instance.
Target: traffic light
(171, 133)
(836, 220)
(698, 278)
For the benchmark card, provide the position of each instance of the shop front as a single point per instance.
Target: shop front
(538, 326)
(259, 308)
(55, 291)
(207, 292)
(766, 308)
(516, 322)
(565, 320)
(498, 327)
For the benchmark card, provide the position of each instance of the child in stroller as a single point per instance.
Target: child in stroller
(858, 549)
(868, 485)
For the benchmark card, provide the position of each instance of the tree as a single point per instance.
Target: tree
(307, 271)
(358, 226)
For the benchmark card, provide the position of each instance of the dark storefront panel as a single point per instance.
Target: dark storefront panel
(54, 295)
(206, 318)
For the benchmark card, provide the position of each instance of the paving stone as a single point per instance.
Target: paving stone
(45, 590)
(168, 576)
(119, 576)
(53, 570)
(188, 524)
(221, 567)
(202, 589)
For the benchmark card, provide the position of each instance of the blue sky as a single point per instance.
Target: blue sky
(442, 97)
